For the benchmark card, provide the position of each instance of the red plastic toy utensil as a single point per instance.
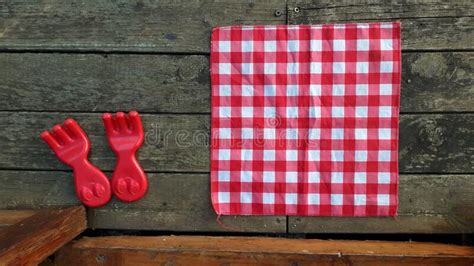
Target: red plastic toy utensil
(71, 145)
(125, 135)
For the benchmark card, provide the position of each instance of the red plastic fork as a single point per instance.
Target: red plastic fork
(71, 145)
(125, 135)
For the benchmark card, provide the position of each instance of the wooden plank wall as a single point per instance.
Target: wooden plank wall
(77, 59)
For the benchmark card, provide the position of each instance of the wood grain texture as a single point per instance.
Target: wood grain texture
(10, 217)
(197, 250)
(139, 26)
(172, 142)
(431, 82)
(32, 240)
(181, 202)
(426, 25)
(154, 26)
(92, 82)
(426, 205)
(439, 82)
(174, 202)
(438, 143)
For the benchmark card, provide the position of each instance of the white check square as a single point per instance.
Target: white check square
(293, 46)
(224, 90)
(223, 197)
(247, 46)
(223, 176)
(246, 155)
(247, 90)
(386, 67)
(338, 67)
(313, 199)
(268, 198)
(268, 177)
(291, 155)
(224, 154)
(336, 199)
(270, 46)
(362, 45)
(314, 177)
(246, 197)
(247, 68)
(291, 198)
(224, 68)
(246, 176)
(314, 155)
(225, 133)
(224, 46)
(247, 133)
(360, 178)
(315, 68)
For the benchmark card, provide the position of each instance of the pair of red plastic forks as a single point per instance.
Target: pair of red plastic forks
(125, 135)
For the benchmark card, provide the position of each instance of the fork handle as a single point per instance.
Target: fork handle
(92, 185)
(129, 181)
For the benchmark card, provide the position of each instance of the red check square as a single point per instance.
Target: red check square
(305, 119)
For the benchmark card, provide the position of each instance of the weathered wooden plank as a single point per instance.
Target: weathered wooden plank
(174, 202)
(169, 144)
(200, 250)
(91, 82)
(181, 202)
(32, 240)
(440, 143)
(439, 82)
(177, 26)
(426, 205)
(401, 224)
(425, 139)
(10, 217)
(431, 82)
(347, 10)
(143, 26)
(425, 24)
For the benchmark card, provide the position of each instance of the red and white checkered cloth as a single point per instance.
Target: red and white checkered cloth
(305, 119)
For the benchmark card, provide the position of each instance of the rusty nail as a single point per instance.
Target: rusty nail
(100, 258)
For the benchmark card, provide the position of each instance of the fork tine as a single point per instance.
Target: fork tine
(74, 128)
(121, 121)
(62, 134)
(108, 123)
(50, 140)
(135, 121)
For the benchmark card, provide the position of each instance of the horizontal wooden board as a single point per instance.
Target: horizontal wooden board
(92, 82)
(201, 250)
(141, 26)
(10, 217)
(427, 204)
(437, 82)
(174, 202)
(431, 82)
(185, 27)
(438, 143)
(181, 202)
(33, 239)
(426, 25)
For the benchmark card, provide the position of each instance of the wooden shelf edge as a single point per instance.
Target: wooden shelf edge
(201, 250)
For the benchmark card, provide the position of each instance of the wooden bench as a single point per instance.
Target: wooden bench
(30, 237)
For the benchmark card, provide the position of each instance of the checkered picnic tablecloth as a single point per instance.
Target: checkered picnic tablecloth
(305, 119)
